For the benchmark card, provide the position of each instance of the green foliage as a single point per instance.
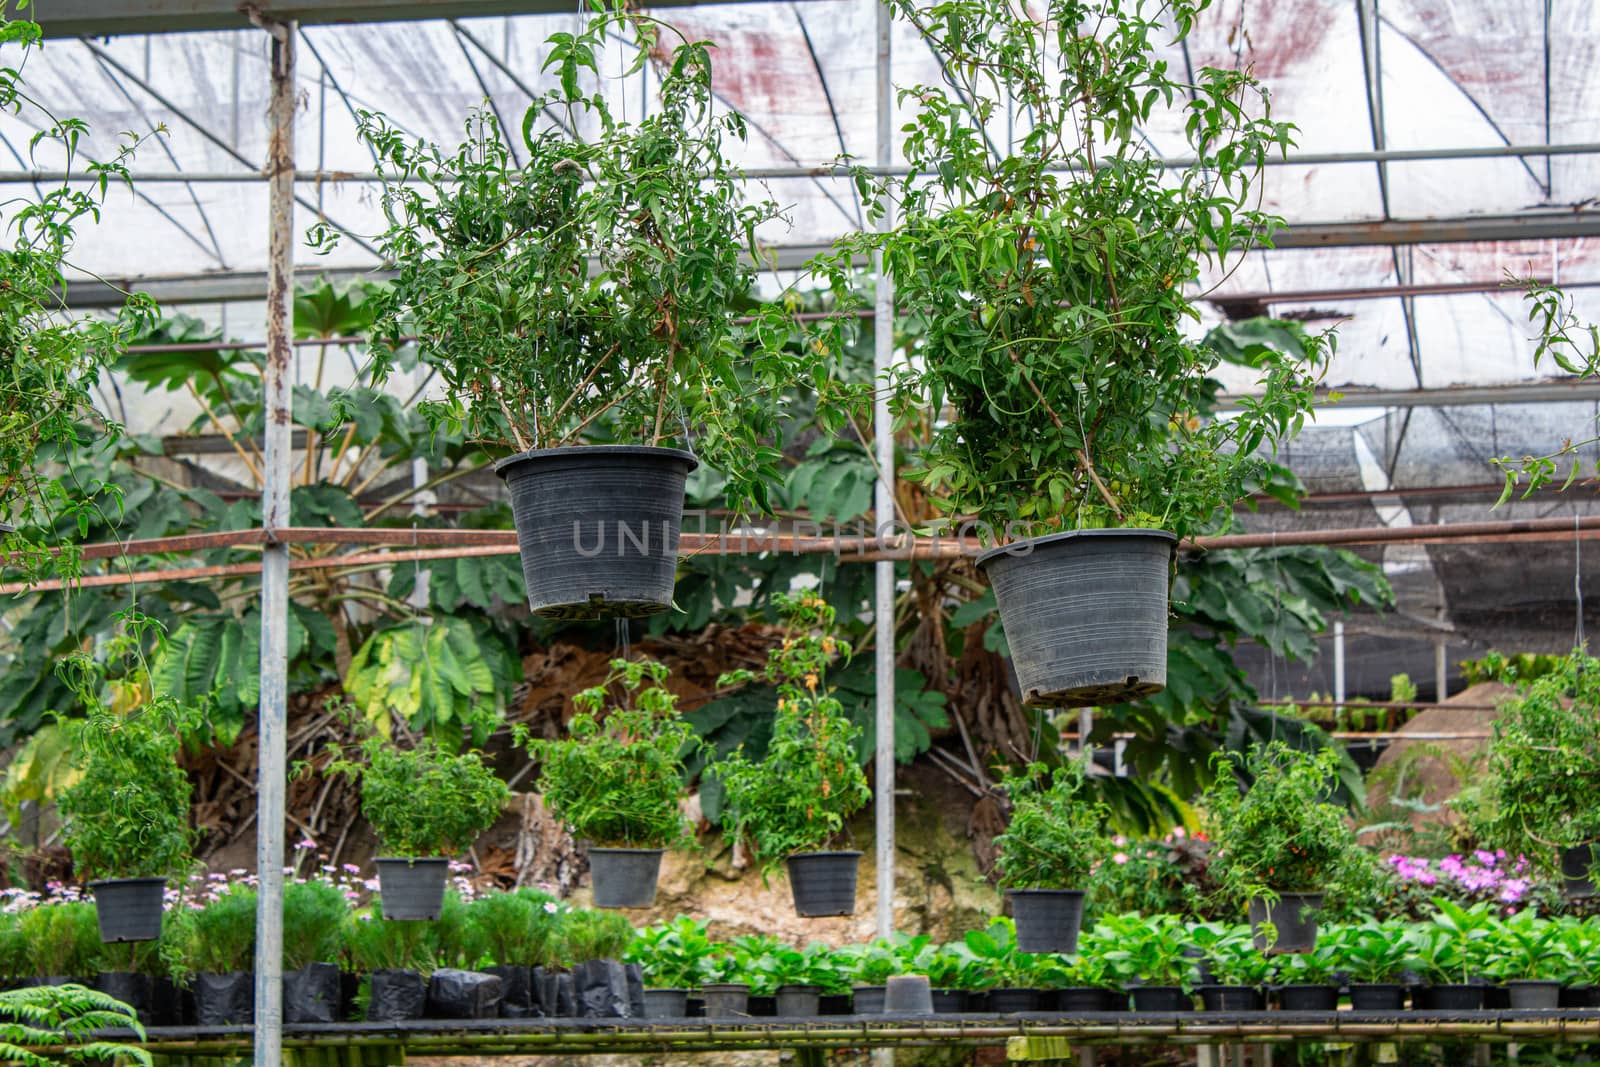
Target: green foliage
(422, 801)
(314, 917)
(1517, 668)
(1544, 764)
(1054, 272)
(128, 811)
(810, 780)
(516, 928)
(591, 935)
(219, 938)
(66, 1019)
(1319, 966)
(1453, 946)
(61, 940)
(591, 287)
(1054, 837)
(1275, 832)
(672, 954)
(1231, 953)
(765, 965)
(1373, 951)
(992, 958)
(373, 943)
(1526, 946)
(1144, 948)
(440, 677)
(458, 939)
(617, 778)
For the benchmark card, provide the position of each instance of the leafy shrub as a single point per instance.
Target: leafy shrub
(797, 797)
(220, 938)
(458, 940)
(1054, 837)
(61, 940)
(591, 935)
(423, 801)
(373, 943)
(617, 778)
(314, 915)
(517, 927)
(65, 1020)
(672, 955)
(1169, 874)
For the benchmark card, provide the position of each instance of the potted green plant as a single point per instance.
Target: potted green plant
(426, 806)
(1047, 853)
(617, 780)
(870, 966)
(127, 813)
(1276, 842)
(1544, 771)
(1147, 954)
(395, 957)
(1237, 968)
(1373, 954)
(1307, 981)
(793, 801)
(59, 944)
(1052, 279)
(1526, 954)
(672, 957)
(1087, 985)
(579, 304)
(314, 917)
(1013, 972)
(515, 930)
(217, 947)
(1449, 951)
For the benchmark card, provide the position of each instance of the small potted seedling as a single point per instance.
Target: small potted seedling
(1047, 852)
(616, 780)
(1238, 969)
(1373, 954)
(794, 800)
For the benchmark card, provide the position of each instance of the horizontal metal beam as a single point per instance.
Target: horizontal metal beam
(214, 287)
(1251, 304)
(108, 18)
(1445, 396)
(1528, 226)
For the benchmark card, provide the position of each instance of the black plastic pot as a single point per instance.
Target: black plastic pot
(1161, 998)
(823, 883)
(666, 1003)
(624, 877)
(1005, 1000)
(412, 888)
(311, 994)
(762, 1006)
(1076, 999)
(1294, 916)
(600, 988)
(458, 994)
(224, 999)
(133, 989)
(1308, 997)
(836, 1004)
(554, 993)
(1577, 863)
(396, 995)
(129, 909)
(1047, 919)
(1453, 997)
(1496, 997)
(1529, 995)
(598, 526)
(949, 1001)
(1085, 614)
(978, 1000)
(1231, 998)
(1580, 996)
(726, 1001)
(794, 1001)
(1113, 1000)
(867, 999)
(1377, 996)
(516, 990)
(167, 1001)
(349, 989)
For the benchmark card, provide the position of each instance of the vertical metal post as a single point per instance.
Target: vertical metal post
(1441, 672)
(1338, 664)
(276, 394)
(883, 503)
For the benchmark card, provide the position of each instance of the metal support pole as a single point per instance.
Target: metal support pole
(1441, 672)
(278, 453)
(1338, 664)
(883, 502)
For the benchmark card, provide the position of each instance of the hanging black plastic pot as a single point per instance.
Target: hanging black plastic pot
(1085, 614)
(1577, 864)
(516, 990)
(411, 889)
(395, 995)
(598, 527)
(726, 1000)
(311, 994)
(1161, 998)
(1530, 995)
(1377, 996)
(666, 1003)
(797, 1001)
(133, 989)
(624, 877)
(1308, 997)
(1047, 919)
(823, 883)
(225, 999)
(129, 909)
(1294, 917)
(1231, 998)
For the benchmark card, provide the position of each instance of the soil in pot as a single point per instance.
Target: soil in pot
(1454, 997)
(1231, 998)
(224, 999)
(1308, 998)
(516, 990)
(1294, 917)
(797, 1001)
(823, 883)
(1006, 1000)
(598, 527)
(396, 995)
(666, 1003)
(311, 994)
(949, 1001)
(1576, 864)
(1534, 996)
(1161, 998)
(1085, 614)
(729, 1000)
(411, 889)
(867, 999)
(1377, 996)
(129, 909)
(1047, 919)
(133, 989)
(624, 877)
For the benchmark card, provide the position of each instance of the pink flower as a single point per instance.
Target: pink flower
(1178, 833)
(351, 868)
(305, 844)
(1120, 857)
